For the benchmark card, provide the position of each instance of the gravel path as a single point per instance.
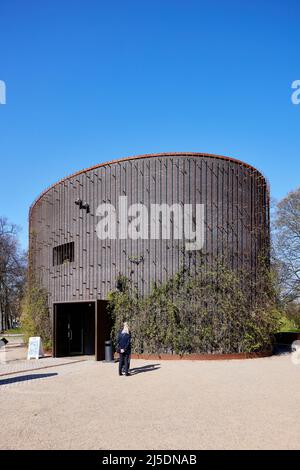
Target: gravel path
(164, 405)
(13, 360)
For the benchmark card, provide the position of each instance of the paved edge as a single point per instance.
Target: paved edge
(202, 357)
(42, 367)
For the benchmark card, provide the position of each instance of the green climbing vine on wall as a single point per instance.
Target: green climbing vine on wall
(217, 310)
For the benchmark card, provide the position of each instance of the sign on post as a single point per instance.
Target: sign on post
(35, 348)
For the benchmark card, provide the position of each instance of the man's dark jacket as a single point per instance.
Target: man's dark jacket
(124, 342)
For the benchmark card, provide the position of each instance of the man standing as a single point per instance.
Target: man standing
(124, 348)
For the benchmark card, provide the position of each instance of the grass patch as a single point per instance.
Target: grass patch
(290, 330)
(13, 331)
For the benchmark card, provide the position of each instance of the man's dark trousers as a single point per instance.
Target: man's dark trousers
(124, 359)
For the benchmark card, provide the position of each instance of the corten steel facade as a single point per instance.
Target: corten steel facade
(236, 220)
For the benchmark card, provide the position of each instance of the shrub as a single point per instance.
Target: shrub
(292, 314)
(35, 316)
(216, 311)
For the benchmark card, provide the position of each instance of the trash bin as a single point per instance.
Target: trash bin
(108, 351)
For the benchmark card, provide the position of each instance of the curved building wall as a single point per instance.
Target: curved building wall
(236, 221)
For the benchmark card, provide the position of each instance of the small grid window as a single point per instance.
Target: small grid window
(63, 254)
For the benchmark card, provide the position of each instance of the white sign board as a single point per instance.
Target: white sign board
(35, 348)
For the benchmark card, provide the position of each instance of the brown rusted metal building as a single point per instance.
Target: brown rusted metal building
(78, 269)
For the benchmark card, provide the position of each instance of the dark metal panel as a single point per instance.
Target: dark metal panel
(102, 329)
(236, 221)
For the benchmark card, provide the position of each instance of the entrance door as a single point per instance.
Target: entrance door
(75, 333)
(74, 329)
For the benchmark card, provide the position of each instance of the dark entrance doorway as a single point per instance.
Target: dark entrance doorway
(74, 329)
(80, 328)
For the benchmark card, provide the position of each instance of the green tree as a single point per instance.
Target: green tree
(286, 243)
(12, 274)
(35, 318)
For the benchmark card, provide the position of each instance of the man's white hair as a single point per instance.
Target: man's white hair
(125, 328)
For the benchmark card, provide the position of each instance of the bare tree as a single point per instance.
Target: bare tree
(12, 273)
(286, 243)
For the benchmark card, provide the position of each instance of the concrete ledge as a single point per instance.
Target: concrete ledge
(202, 357)
(13, 338)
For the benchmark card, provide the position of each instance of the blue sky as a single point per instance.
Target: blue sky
(89, 81)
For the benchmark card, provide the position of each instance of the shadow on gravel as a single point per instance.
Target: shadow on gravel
(25, 378)
(147, 368)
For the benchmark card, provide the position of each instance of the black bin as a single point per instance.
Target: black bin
(108, 351)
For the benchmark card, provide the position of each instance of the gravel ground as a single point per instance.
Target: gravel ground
(14, 361)
(236, 404)
(12, 352)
